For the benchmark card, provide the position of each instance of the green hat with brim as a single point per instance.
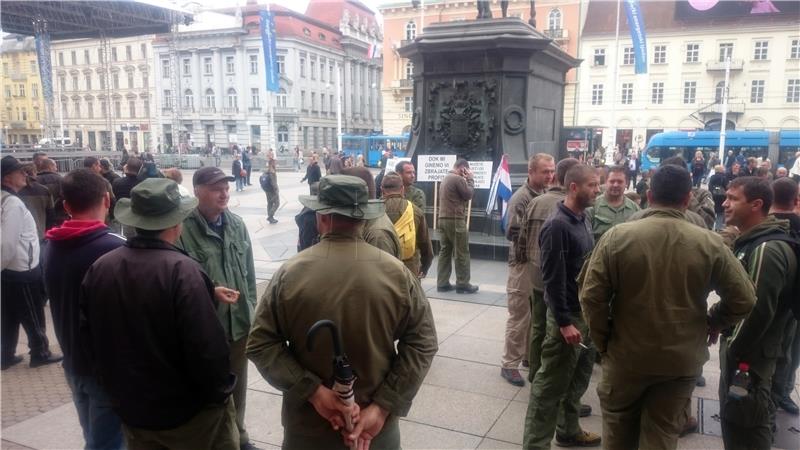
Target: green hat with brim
(345, 195)
(155, 204)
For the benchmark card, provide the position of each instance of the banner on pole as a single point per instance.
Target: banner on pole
(636, 24)
(481, 173)
(270, 50)
(43, 59)
(434, 167)
(391, 163)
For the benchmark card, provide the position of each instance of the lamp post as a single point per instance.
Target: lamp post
(249, 135)
(338, 109)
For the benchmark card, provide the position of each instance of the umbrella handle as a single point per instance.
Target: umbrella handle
(347, 396)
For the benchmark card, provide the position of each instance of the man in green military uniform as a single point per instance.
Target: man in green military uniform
(612, 207)
(412, 193)
(454, 195)
(218, 240)
(644, 297)
(756, 341)
(379, 231)
(366, 292)
(269, 183)
(396, 209)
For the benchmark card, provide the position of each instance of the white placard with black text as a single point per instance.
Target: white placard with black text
(434, 167)
(482, 173)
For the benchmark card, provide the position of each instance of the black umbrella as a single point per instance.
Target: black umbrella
(343, 376)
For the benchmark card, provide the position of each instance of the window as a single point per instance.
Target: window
(283, 134)
(408, 104)
(164, 68)
(554, 20)
(281, 99)
(597, 94)
(313, 101)
(757, 91)
(100, 57)
(409, 70)
(232, 101)
(115, 80)
(207, 66)
(719, 92)
(330, 102)
(36, 115)
(60, 58)
(760, 49)
(128, 55)
(188, 99)
(322, 69)
(130, 80)
(145, 81)
(330, 73)
(230, 67)
(793, 91)
(660, 54)
(76, 108)
(187, 67)
(322, 103)
(117, 109)
(725, 51)
(210, 99)
(34, 69)
(167, 98)
(114, 58)
(303, 100)
(8, 91)
(302, 65)
(143, 49)
(794, 52)
(313, 70)
(599, 57)
(24, 114)
(281, 63)
(86, 58)
(689, 92)
(146, 106)
(103, 109)
(88, 80)
(255, 98)
(102, 81)
(62, 83)
(90, 109)
(411, 30)
(657, 97)
(692, 53)
(627, 56)
(21, 90)
(627, 93)
(63, 109)
(74, 82)
(131, 105)
(253, 64)
(73, 56)
(34, 90)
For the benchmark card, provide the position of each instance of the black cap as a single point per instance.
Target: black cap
(210, 175)
(9, 164)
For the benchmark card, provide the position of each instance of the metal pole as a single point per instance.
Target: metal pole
(611, 147)
(724, 121)
(339, 109)
(421, 15)
(273, 145)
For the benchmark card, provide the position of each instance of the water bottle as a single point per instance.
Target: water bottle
(741, 382)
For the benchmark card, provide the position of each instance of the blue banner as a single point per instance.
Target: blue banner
(636, 25)
(43, 59)
(270, 50)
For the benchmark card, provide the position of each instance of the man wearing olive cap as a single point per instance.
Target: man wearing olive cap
(374, 299)
(152, 331)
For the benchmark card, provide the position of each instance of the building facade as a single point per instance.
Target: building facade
(402, 22)
(684, 85)
(216, 94)
(22, 112)
(103, 92)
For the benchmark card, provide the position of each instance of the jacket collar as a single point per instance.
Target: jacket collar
(556, 189)
(532, 191)
(147, 243)
(203, 223)
(770, 225)
(601, 200)
(664, 212)
(574, 218)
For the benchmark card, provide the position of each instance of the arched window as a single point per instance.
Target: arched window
(232, 98)
(188, 99)
(719, 92)
(283, 135)
(554, 20)
(411, 30)
(280, 99)
(210, 101)
(409, 70)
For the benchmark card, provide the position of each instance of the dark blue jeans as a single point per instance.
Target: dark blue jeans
(102, 428)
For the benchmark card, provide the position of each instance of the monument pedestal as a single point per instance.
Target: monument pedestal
(485, 88)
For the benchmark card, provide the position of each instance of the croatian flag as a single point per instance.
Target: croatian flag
(373, 51)
(501, 187)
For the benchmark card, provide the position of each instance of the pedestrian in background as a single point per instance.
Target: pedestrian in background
(313, 173)
(455, 192)
(238, 173)
(49, 177)
(698, 168)
(612, 207)
(38, 200)
(410, 225)
(269, 184)
(247, 165)
(717, 185)
(378, 232)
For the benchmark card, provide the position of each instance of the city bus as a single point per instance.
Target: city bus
(372, 147)
(778, 146)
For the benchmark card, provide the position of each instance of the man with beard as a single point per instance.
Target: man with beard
(611, 208)
(567, 351)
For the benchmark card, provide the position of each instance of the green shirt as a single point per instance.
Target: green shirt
(416, 196)
(603, 216)
(228, 261)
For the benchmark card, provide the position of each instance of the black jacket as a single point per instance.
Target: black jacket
(70, 251)
(154, 336)
(308, 235)
(717, 185)
(52, 181)
(122, 186)
(313, 174)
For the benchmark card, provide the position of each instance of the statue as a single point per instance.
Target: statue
(484, 9)
(504, 8)
(532, 21)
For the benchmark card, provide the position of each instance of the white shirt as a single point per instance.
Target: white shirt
(20, 241)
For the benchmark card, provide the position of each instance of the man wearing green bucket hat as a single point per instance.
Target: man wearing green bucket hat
(365, 292)
(153, 333)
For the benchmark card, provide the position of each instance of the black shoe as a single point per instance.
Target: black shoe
(13, 362)
(585, 411)
(272, 220)
(788, 405)
(700, 382)
(248, 446)
(526, 363)
(446, 288)
(468, 289)
(512, 376)
(49, 358)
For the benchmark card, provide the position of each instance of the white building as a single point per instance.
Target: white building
(217, 92)
(684, 84)
(103, 92)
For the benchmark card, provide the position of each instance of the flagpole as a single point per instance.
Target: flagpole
(612, 147)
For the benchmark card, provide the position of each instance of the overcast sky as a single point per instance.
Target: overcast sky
(297, 5)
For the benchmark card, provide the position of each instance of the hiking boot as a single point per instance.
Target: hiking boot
(12, 362)
(788, 405)
(272, 220)
(526, 363)
(446, 288)
(690, 426)
(467, 289)
(700, 382)
(512, 376)
(585, 411)
(45, 359)
(582, 439)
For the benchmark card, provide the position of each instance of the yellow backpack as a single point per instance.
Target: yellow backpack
(406, 231)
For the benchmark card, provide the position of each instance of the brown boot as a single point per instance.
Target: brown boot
(582, 439)
(690, 426)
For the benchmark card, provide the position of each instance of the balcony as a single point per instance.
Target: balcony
(406, 83)
(557, 34)
(230, 111)
(18, 124)
(254, 110)
(18, 76)
(284, 111)
(734, 107)
(187, 110)
(208, 110)
(405, 42)
(719, 66)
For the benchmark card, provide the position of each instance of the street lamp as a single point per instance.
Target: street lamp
(249, 135)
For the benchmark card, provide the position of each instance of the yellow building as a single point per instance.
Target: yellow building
(22, 112)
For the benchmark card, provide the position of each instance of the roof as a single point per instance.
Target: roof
(331, 12)
(18, 43)
(660, 15)
(292, 24)
(88, 19)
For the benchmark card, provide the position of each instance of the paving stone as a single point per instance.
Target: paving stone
(420, 436)
(456, 410)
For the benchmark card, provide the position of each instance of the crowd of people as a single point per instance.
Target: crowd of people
(595, 275)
